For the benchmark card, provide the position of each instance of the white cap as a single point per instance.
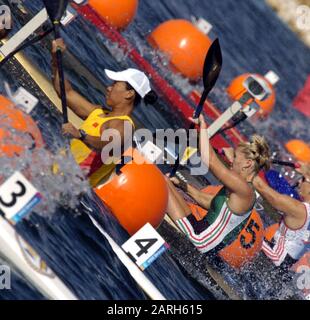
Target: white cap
(137, 79)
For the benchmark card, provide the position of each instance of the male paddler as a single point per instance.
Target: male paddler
(128, 89)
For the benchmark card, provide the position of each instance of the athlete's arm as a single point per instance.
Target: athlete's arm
(117, 135)
(203, 199)
(289, 206)
(76, 102)
(229, 178)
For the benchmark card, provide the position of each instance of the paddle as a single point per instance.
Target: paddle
(286, 163)
(55, 10)
(211, 70)
(294, 165)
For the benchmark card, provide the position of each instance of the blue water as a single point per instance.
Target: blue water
(70, 244)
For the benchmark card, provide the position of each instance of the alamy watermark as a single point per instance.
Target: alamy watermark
(5, 277)
(303, 278)
(177, 140)
(5, 18)
(303, 17)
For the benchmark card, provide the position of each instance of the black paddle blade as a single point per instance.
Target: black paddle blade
(212, 65)
(211, 71)
(55, 8)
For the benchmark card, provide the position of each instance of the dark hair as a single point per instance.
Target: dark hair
(149, 98)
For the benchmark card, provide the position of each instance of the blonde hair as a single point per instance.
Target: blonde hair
(257, 150)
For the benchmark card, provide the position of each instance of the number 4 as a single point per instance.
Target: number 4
(144, 249)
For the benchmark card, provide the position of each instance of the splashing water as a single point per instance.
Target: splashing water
(56, 176)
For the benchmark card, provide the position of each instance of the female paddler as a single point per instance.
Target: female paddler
(230, 208)
(292, 239)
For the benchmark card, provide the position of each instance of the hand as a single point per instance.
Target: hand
(58, 44)
(258, 182)
(304, 169)
(69, 130)
(177, 182)
(200, 121)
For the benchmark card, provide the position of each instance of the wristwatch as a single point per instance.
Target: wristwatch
(83, 134)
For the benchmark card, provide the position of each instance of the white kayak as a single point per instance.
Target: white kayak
(18, 252)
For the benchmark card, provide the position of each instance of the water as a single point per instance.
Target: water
(66, 239)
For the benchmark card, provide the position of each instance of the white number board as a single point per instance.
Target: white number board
(22, 98)
(145, 246)
(17, 197)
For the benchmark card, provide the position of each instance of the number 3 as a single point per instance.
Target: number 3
(14, 195)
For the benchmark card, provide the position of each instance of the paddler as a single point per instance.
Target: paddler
(292, 240)
(128, 89)
(230, 208)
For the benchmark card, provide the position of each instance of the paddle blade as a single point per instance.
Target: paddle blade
(55, 8)
(212, 65)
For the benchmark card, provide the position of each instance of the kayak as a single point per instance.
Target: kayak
(17, 251)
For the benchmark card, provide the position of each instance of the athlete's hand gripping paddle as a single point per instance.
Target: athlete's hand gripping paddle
(211, 70)
(55, 10)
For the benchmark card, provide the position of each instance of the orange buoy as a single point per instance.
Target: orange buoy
(137, 195)
(185, 45)
(236, 89)
(248, 244)
(299, 149)
(18, 131)
(116, 13)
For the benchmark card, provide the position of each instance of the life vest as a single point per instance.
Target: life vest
(244, 242)
(286, 241)
(89, 159)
